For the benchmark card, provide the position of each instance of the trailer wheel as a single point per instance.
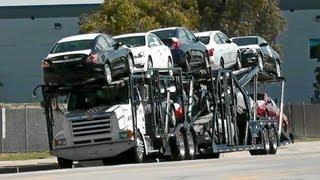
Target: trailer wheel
(266, 142)
(179, 150)
(273, 141)
(64, 163)
(191, 146)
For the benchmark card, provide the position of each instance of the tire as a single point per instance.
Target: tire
(149, 64)
(170, 66)
(107, 73)
(273, 141)
(238, 63)
(130, 64)
(278, 69)
(265, 142)
(214, 156)
(139, 150)
(64, 163)
(179, 151)
(260, 62)
(187, 65)
(191, 146)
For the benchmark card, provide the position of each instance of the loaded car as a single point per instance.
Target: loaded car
(148, 50)
(223, 53)
(84, 58)
(187, 51)
(256, 50)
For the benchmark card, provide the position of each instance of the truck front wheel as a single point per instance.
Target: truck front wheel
(139, 150)
(64, 163)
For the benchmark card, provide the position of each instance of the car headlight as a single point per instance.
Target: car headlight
(126, 134)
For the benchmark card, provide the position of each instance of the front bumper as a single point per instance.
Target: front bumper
(95, 151)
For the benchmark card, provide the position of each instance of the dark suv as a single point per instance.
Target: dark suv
(187, 51)
(87, 57)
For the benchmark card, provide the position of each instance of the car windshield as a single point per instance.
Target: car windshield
(245, 41)
(83, 100)
(134, 41)
(165, 34)
(72, 46)
(204, 39)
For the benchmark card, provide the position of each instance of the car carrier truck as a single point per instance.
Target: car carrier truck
(164, 113)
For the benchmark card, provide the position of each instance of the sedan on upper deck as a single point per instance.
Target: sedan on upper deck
(148, 50)
(87, 57)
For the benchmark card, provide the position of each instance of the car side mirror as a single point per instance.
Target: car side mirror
(228, 41)
(197, 39)
(263, 44)
(152, 44)
(118, 45)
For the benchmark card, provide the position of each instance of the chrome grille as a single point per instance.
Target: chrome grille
(93, 127)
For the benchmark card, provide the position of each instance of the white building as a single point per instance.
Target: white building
(28, 29)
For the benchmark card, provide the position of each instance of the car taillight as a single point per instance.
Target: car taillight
(93, 58)
(211, 52)
(176, 44)
(45, 64)
(179, 113)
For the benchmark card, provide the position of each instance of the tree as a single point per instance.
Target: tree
(126, 16)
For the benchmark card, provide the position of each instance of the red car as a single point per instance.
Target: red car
(268, 108)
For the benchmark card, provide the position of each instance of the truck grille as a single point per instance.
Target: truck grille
(87, 127)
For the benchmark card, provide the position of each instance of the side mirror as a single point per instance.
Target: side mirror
(263, 44)
(118, 45)
(152, 44)
(197, 39)
(228, 41)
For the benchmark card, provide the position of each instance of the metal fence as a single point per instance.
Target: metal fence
(305, 119)
(24, 130)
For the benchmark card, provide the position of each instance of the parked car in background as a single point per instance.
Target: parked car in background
(86, 57)
(255, 48)
(223, 53)
(148, 50)
(187, 51)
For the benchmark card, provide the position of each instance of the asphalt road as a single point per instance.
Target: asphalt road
(296, 161)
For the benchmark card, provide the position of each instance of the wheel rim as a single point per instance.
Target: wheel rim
(107, 72)
(170, 66)
(173, 118)
(181, 146)
(130, 62)
(274, 139)
(187, 63)
(260, 62)
(191, 145)
(266, 141)
(239, 62)
(278, 69)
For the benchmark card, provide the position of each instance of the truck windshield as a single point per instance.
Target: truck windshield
(72, 46)
(83, 100)
(245, 41)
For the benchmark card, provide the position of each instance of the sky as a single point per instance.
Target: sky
(46, 2)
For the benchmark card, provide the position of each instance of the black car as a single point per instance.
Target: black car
(187, 51)
(255, 49)
(85, 58)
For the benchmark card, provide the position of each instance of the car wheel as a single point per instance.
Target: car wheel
(238, 63)
(64, 163)
(278, 69)
(191, 146)
(107, 73)
(170, 66)
(149, 64)
(130, 63)
(273, 141)
(266, 142)
(179, 152)
(260, 62)
(187, 65)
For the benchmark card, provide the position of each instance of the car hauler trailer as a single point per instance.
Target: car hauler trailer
(165, 113)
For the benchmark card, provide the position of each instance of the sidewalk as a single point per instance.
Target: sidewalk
(48, 161)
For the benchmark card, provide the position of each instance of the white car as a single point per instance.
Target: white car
(148, 50)
(223, 53)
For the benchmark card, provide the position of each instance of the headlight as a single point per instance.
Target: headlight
(126, 134)
(60, 142)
